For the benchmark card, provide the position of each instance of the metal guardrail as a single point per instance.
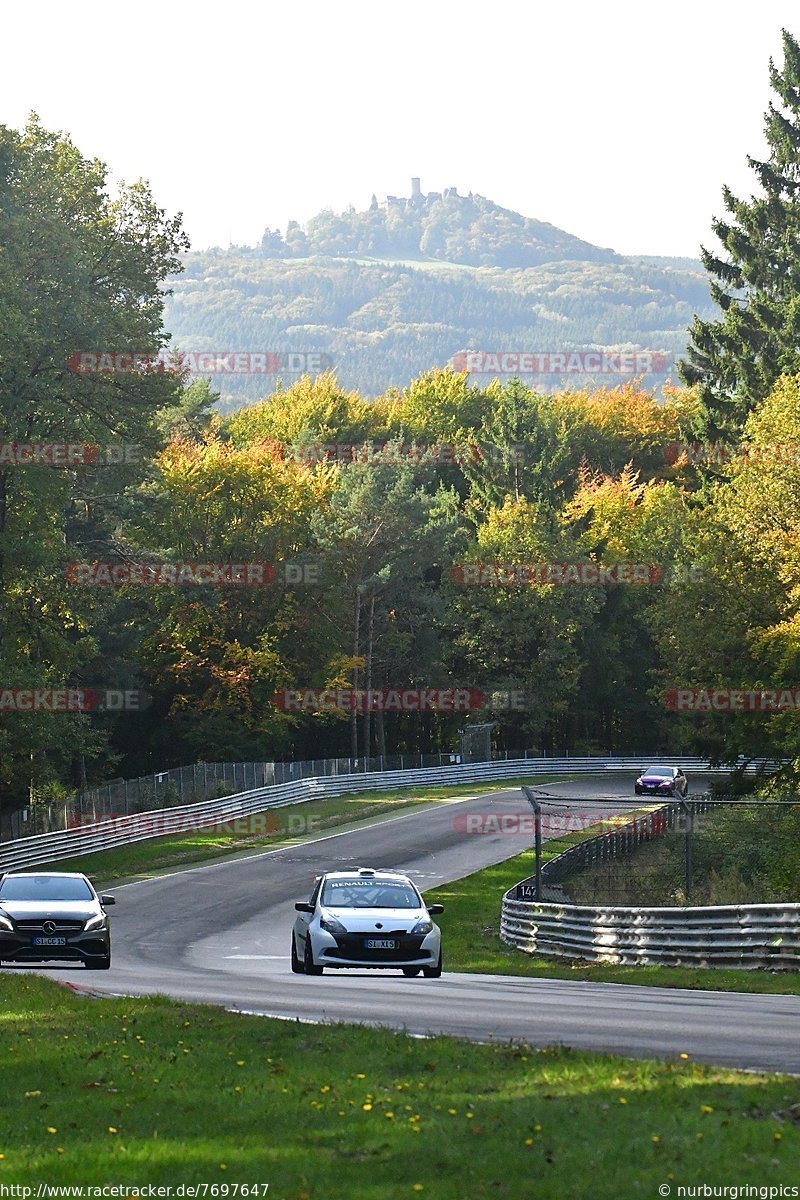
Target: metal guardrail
(755, 936)
(176, 786)
(119, 831)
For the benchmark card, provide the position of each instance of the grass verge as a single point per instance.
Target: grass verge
(154, 1092)
(266, 831)
(470, 928)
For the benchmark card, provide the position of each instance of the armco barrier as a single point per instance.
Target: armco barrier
(746, 935)
(756, 936)
(104, 835)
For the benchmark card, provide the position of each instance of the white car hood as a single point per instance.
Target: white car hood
(368, 921)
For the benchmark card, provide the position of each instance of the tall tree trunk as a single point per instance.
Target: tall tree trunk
(356, 649)
(367, 711)
(380, 734)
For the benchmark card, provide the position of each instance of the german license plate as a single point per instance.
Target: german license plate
(49, 941)
(380, 944)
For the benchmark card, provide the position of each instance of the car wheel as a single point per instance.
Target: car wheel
(297, 966)
(309, 967)
(410, 972)
(99, 964)
(433, 972)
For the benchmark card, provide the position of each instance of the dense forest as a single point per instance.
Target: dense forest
(594, 567)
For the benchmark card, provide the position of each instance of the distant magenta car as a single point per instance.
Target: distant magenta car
(662, 781)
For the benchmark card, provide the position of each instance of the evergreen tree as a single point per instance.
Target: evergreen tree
(735, 360)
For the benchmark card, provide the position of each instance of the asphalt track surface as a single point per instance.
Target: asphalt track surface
(220, 934)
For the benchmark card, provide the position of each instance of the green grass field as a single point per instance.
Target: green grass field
(137, 1092)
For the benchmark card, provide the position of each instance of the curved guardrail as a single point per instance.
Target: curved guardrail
(119, 831)
(765, 936)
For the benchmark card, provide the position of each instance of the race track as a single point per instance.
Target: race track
(220, 934)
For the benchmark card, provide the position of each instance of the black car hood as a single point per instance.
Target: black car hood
(67, 910)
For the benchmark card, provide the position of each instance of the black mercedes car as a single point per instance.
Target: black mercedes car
(662, 781)
(53, 915)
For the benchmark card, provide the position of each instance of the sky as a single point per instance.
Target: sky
(618, 122)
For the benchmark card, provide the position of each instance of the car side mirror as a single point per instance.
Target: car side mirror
(435, 909)
(104, 900)
(304, 906)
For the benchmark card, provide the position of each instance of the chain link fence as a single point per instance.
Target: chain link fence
(725, 850)
(203, 781)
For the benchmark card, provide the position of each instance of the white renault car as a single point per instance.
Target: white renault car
(365, 918)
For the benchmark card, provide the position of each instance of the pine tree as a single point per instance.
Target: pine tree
(736, 359)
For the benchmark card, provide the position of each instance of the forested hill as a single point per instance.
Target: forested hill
(387, 293)
(469, 230)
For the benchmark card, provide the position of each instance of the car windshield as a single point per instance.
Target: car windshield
(44, 887)
(664, 772)
(369, 893)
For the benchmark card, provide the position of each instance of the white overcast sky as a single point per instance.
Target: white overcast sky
(617, 121)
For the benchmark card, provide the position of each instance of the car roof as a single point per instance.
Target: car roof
(365, 873)
(40, 874)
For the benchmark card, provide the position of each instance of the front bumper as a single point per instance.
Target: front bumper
(80, 946)
(350, 950)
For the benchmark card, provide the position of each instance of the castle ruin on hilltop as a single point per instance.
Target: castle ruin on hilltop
(417, 199)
